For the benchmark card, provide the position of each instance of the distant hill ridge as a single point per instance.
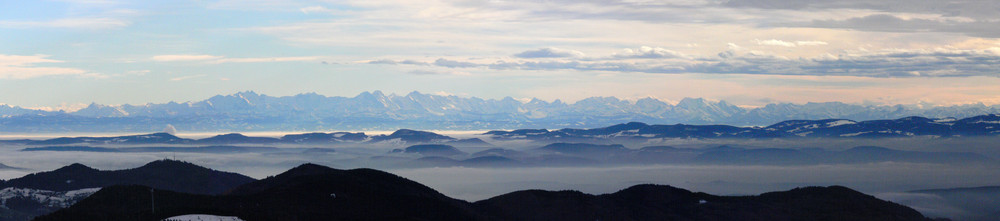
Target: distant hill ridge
(983, 125)
(402, 136)
(378, 111)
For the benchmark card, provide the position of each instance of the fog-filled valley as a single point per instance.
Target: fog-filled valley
(476, 166)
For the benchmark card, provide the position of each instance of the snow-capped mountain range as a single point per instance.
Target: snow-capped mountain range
(250, 111)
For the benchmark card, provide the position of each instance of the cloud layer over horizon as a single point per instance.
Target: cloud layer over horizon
(744, 51)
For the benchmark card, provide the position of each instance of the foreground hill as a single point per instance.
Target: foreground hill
(307, 192)
(162, 174)
(656, 202)
(313, 192)
(41, 193)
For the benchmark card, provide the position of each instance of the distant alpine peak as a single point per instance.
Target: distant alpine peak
(247, 93)
(375, 110)
(687, 101)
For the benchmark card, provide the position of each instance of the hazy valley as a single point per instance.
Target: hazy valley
(885, 158)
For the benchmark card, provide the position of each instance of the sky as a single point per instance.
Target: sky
(68, 53)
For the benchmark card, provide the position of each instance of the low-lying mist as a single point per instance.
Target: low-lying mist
(887, 179)
(482, 183)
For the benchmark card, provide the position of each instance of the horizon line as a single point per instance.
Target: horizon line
(72, 108)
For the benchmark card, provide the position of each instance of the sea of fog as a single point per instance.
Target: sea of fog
(480, 183)
(887, 180)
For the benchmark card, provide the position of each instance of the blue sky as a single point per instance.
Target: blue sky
(63, 54)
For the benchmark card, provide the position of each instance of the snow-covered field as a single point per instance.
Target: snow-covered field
(45, 197)
(203, 217)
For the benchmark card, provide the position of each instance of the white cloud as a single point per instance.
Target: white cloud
(138, 72)
(270, 59)
(20, 60)
(390, 61)
(775, 42)
(454, 63)
(810, 43)
(23, 67)
(92, 2)
(973, 9)
(123, 74)
(648, 52)
(318, 9)
(221, 59)
(181, 78)
(549, 53)
(254, 5)
(84, 23)
(184, 57)
(439, 72)
(936, 62)
(885, 22)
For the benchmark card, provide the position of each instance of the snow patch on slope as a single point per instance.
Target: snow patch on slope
(839, 122)
(46, 197)
(202, 217)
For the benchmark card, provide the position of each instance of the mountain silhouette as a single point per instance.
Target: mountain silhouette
(985, 125)
(314, 192)
(657, 202)
(41, 193)
(306, 192)
(161, 174)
